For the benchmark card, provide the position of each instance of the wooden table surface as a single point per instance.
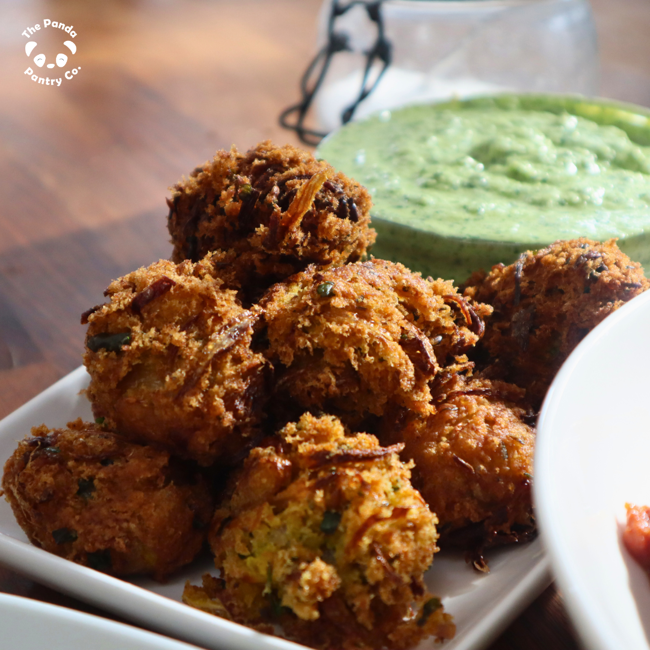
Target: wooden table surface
(85, 167)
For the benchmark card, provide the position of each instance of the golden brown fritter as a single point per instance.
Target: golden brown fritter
(546, 303)
(325, 536)
(453, 329)
(473, 461)
(272, 211)
(170, 362)
(354, 339)
(92, 497)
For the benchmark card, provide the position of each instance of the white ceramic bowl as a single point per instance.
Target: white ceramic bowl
(593, 450)
(32, 625)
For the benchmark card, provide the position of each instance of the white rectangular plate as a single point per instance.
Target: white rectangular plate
(482, 604)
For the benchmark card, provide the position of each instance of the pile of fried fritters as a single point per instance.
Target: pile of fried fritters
(323, 420)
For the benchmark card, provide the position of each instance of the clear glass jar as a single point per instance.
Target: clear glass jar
(443, 49)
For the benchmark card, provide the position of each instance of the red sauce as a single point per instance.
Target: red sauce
(636, 535)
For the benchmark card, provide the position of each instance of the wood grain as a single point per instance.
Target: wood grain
(85, 168)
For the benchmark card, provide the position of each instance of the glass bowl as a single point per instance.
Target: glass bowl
(444, 49)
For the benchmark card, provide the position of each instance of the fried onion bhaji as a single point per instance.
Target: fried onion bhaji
(546, 303)
(355, 339)
(271, 212)
(94, 498)
(473, 462)
(325, 536)
(171, 364)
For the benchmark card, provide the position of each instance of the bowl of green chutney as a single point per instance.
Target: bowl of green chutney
(463, 185)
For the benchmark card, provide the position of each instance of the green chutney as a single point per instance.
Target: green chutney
(467, 184)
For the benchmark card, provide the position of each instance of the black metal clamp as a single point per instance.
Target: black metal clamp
(316, 71)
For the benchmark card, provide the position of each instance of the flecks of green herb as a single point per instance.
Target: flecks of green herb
(268, 587)
(108, 342)
(277, 608)
(331, 521)
(198, 523)
(99, 421)
(554, 350)
(527, 475)
(64, 535)
(52, 450)
(245, 190)
(432, 605)
(86, 488)
(100, 560)
(504, 452)
(325, 289)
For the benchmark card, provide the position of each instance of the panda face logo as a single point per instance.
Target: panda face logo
(61, 58)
